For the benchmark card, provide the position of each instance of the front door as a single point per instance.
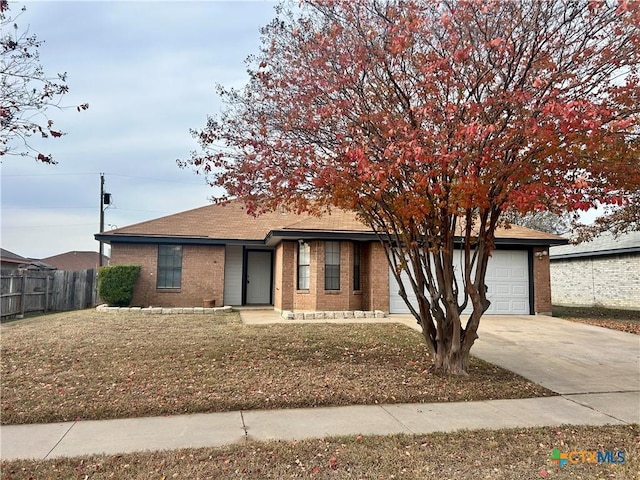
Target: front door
(258, 280)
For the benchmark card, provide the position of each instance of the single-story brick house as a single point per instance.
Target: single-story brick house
(301, 263)
(604, 272)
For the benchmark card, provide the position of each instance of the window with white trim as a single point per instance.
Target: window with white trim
(304, 257)
(332, 265)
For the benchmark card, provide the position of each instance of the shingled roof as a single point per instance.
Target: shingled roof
(10, 257)
(231, 222)
(75, 260)
(604, 244)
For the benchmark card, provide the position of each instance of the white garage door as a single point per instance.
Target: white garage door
(507, 280)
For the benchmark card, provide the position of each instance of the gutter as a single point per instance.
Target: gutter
(275, 236)
(596, 253)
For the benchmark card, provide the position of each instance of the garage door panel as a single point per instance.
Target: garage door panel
(520, 306)
(519, 274)
(507, 281)
(518, 289)
(501, 272)
(503, 306)
(499, 289)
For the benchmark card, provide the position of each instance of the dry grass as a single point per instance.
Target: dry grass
(485, 454)
(622, 320)
(90, 365)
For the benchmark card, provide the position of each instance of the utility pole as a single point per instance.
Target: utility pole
(105, 199)
(101, 217)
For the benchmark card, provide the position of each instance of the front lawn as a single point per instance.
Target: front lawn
(484, 454)
(90, 365)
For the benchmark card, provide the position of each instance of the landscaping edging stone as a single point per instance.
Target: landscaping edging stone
(163, 311)
(340, 315)
(286, 314)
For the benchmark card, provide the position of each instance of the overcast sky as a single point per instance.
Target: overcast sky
(148, 71)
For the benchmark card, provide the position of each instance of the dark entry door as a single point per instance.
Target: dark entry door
(258, 279)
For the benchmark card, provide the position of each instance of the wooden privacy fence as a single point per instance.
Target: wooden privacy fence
(34, 291)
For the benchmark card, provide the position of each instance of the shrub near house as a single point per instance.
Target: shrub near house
(116, 284)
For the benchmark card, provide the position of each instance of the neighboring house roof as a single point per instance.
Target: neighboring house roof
(16, 261)
(603, 244)
(9, 257)
(35, 264)
(73, 261)
(230, 223)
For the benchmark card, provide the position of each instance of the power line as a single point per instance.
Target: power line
(82, 208)
(137, 210)
(152, 178)
(106, 174)
(47, 174)
(30, 207)
(49, 226)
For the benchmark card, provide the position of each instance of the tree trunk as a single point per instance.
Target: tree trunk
(452, 363)
(451, 351)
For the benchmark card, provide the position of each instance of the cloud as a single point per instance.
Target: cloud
(148, 71)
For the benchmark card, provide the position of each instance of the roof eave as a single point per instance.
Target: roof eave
(599, 253)
(14, 260)
(167, 239)
(275, 236)
(531, 242)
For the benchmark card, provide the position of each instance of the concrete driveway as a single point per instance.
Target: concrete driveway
(589, 365)
(563, 356)
(592, 366)
(566, 357)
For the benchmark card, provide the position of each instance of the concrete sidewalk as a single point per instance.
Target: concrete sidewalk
(215, 429)
(596, 371)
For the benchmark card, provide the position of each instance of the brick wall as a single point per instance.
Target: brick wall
(541, 281)
(317, 298)
(284, 268)
(373, 293)
(374, 280)
(376, 271)
(306, 299)
(609, 281)
(202, 275)
(345, 298)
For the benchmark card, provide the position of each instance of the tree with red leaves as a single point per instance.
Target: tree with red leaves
(26, 93)
(430, 119)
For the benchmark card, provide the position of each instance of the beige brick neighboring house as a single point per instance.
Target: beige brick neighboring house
(297, 262)
(603, 272)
